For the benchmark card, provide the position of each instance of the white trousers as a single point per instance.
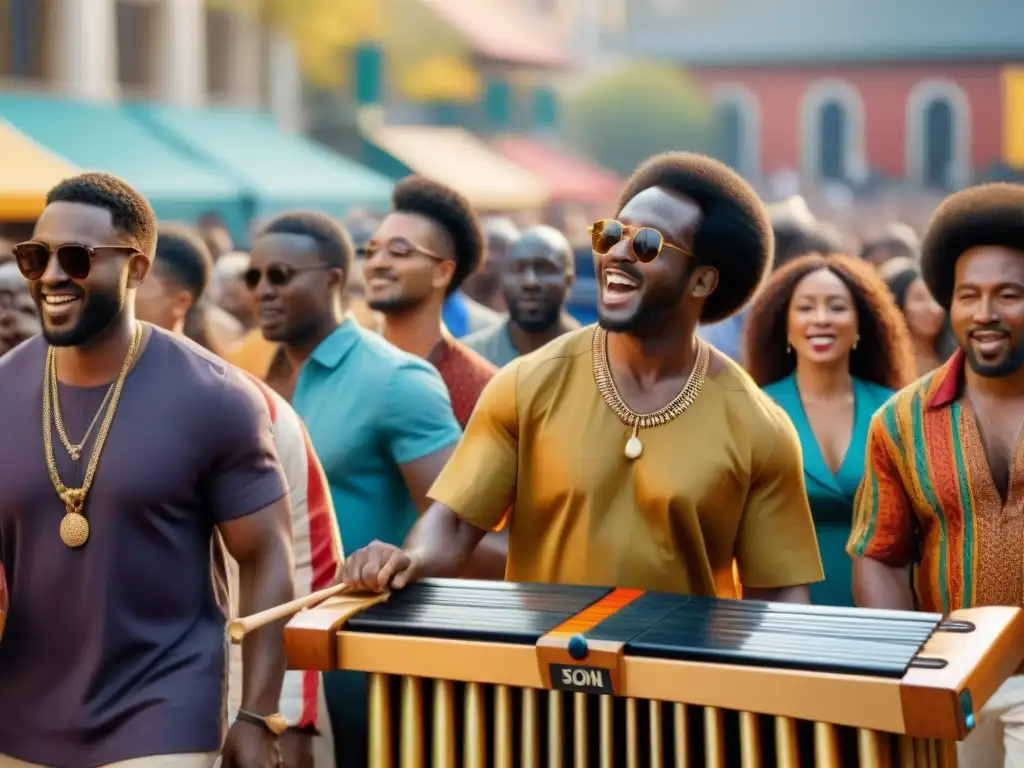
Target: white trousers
(998, 738)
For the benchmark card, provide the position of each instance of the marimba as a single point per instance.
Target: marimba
(528, 675)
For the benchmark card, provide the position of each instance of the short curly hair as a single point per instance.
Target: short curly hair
(452, 213)
(734, 235)
(129, 210)
(333, 242)
(182, 254)
(883, 356)
(988, 214)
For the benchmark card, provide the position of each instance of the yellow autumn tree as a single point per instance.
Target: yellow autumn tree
(322, 31)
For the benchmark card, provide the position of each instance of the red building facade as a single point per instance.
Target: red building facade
(853, 91)
(937, 126)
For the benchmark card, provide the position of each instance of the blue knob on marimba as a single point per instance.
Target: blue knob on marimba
(578, 647)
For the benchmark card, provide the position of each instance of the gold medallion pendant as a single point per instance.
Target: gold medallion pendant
(636, 421)
(74, 529)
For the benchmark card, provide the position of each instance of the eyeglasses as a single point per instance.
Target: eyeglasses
(645, 242)
(396, 246)
(277, 274)
(74, 259)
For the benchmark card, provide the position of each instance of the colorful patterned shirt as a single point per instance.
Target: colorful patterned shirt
(928, 499)
(465, 374)
(318, 552)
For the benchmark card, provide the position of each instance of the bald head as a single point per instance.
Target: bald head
(544, 239)
(536, 277)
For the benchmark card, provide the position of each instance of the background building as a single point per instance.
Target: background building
(921, 91)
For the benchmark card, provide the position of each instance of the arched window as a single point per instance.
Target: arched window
(938, 144)
(832, 131)
(833, 136)
(738, 129)
(731, 132)
(938, 135)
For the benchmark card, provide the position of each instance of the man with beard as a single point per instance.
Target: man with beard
(635, 454)
(939, 518)
(380, 419)
(18, 317)
(422, 251)
(170, 298)
(114, 645)
(536, 277)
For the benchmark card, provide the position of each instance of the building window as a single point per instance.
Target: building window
(731, 127)
(738, 129)
(368, 71)
(138, 46)
(832, 132)
(937, 135)
(219, 53)
(545, 109)
(498, 101)
(26, 28)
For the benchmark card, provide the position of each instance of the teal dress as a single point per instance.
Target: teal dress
(831, 495)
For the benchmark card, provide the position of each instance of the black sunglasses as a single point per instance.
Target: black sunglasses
(277, 274)
(74, 259)
(645, 242)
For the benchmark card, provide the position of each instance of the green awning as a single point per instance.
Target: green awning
(278, 170)
(105, 137)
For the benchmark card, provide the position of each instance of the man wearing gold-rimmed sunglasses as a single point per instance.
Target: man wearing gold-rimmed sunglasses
(635, 454)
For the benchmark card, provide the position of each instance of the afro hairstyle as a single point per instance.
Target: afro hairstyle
(988, 214)
(452, 213)
(734, 235)
(130, 212)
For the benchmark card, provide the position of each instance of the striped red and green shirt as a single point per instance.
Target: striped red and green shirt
(928, 499)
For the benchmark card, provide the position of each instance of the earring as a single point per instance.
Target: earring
(789, 348)
(856, 341)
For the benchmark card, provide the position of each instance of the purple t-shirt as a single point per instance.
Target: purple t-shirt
(116, 650)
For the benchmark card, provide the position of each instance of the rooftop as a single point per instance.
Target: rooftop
(745, 32)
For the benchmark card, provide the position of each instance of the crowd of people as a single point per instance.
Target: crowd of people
(757, 414)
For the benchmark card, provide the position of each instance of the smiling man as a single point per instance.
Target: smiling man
(635, 455)
(939, 519)
(536, 275)
(380, 419)
(420, 254)
(114, 646)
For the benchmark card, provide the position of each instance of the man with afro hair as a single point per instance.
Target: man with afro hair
(422, 251)
(939, 519)
(636, 455)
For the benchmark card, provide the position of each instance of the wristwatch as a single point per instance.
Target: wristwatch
(274, 723)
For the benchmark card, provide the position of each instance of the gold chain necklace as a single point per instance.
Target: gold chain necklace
(629, 417)
(74, 528)
(74, 451)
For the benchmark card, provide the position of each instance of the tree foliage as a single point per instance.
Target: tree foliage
(622, 118)
(322, 31)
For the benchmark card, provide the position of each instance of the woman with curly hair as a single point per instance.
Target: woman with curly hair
(826, 341)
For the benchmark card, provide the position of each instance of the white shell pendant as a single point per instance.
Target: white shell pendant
(634, 448)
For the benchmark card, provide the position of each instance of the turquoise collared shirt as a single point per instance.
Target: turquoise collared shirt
(370, 408)
(831, 495)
